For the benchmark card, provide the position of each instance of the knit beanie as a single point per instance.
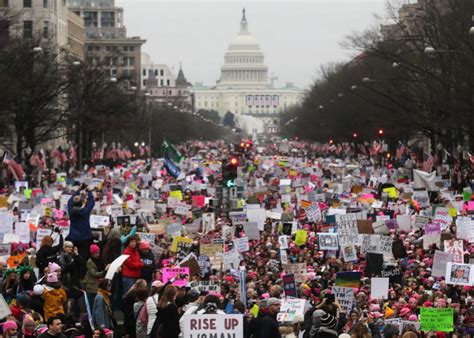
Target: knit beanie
(328, 321)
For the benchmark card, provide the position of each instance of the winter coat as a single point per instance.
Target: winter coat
(72, 267)
(132, 267)
(47, 254)
(265, 326)
(93, 274)
(169, 321)
(80, 227)
(54, 300)
(148, 261)
(100, 313)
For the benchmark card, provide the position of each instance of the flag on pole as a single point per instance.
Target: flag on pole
(170, 151)
(172, 169)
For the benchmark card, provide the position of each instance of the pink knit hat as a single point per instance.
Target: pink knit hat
(94, 249)
(9, 325)
(53, 267)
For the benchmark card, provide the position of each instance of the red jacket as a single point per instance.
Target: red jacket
(132, 266)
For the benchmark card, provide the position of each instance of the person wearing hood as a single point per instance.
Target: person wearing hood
(79, 208)
(27, 327)
(131, 268)
(54, 296)
(328, 327)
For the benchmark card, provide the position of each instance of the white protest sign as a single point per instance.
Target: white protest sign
(146, 236)
(206, 285)
(347, 229)
(290, 307)
(99, 222)
(442, 218)
(208, 222)
(258, 216)
(379, 288)
(440, 262)
(200, 326)
(22, 229)
(345, 297)
(182, 209)
(115, 265)
(283, 241)
(4, 308)
(231, 259)
(242, 244)
(251, 230)
(284, 257)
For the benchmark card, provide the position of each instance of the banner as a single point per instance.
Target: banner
(172, 169)
(179, 275)
(424, 180)
(206, 285)
(437, 319)
(200, 326)
(348, 279)
(170, 151)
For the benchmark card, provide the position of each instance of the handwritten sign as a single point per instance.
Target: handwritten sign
(437, 319)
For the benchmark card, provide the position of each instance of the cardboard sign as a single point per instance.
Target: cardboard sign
(208, 222)
(207, 325)
(242, 244)
(210, 250)
(379, 288)
(345, 297)
(328, 241)
(365, 226)
(440, 261)
(146, 236)
(437, 319)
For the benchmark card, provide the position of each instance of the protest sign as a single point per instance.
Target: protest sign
(115, 265)
(420, 221)
(379, 288)
(238, 217)
(200, 326)
(299, 270)
(301, 237)
(347, 230)
(5, 310)
(440, 262)
(394, 274)
(345, 297)
(291, 307)
(283, 257)
(349, 252)
(251, 230)
(455, 248)
(313, 213)
(437, 319)
(328, 241)
(459, 274)
(257, 216)
(146, 236)
(210, 250)
(443, 218)
(180, 242)
(289, 285)
(180, 275)
(206, 285)
(231, 259)
(242, 244)
(208, 222)
(348, 279)
(182, 209)
(283, 241)
(364, 226)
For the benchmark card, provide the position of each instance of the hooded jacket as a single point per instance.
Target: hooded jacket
(132, 266)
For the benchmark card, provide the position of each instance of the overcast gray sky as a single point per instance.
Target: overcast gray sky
(296, 37)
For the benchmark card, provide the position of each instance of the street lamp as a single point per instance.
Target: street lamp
(354, 87)
(340, 95)
(113, 79)
(321, 107)
(471, 31)
(395, 65)
(76, 63)
(133, 88)
(367, 80)
(37, 49)
(431, 51)
(136, 144)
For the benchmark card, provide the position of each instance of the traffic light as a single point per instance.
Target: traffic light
(229, 172)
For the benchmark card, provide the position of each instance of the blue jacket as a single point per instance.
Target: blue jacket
(80, 227)
(101, 314)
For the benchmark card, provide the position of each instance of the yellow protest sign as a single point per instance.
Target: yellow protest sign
(3, 202)
(177, 194)
(254, 311)
(452, 212)
(301, 237)
(180, 241)
(392, 192)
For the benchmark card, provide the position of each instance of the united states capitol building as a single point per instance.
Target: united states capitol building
(245, 89)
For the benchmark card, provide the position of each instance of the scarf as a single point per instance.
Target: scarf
(106, 295)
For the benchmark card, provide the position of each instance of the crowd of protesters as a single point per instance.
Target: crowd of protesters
(53, 275)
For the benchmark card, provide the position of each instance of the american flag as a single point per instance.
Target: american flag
(428, 164)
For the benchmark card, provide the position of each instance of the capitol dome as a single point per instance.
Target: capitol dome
(244, 65)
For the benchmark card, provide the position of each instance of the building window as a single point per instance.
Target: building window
(162, 72)
(27, 29)
(107, 19)
(90, 19)
(131, 49)
(46, 29)
(168, 82)
(161, 83)
(45, 3)
(144, 72)
(156, 72)
(27, 3)
(145, 82)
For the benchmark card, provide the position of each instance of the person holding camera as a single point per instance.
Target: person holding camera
(79, 207)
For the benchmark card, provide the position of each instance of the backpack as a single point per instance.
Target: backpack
(142, 316)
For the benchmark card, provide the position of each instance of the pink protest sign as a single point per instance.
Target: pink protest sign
(199, 201)
(179, 274)
(470, 205)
